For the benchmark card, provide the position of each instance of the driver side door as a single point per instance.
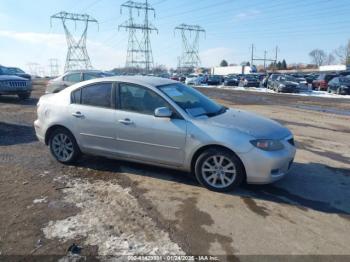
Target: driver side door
(141, 135)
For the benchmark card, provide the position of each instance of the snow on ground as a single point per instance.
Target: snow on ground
(110, 218)
(265, 90)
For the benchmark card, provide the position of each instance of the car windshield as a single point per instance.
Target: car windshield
(345, 80)
(192, 101)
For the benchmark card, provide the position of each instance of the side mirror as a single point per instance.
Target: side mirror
(163, 112)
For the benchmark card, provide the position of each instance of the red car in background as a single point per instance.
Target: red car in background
(321, 82)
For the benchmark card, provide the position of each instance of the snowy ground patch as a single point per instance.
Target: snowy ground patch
(110, 218)
(265, 90)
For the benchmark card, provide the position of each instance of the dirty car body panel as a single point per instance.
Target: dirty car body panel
(118, 130)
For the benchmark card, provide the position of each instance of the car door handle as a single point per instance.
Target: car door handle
(126, 121)
(78, 114)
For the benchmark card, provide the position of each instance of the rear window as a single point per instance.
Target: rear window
(98, 95)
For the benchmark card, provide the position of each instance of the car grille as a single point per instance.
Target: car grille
(291, 141)
(17, 83)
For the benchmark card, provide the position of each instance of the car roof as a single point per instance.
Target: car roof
(138, 80)
(83, 71)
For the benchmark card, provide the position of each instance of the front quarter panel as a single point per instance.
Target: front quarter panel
(200, 135)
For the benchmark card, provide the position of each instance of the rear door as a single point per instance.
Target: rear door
(143, 136)
(93, 115)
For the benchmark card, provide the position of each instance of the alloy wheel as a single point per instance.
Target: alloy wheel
(219, 171)
(62, 147)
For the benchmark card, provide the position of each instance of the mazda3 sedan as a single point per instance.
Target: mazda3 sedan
(163, 122)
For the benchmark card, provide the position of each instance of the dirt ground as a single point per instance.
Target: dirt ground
(114, 208)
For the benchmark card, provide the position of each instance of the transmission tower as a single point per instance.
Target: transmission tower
(190, 45)
(54, 67)
(77, 56)
(139, 53)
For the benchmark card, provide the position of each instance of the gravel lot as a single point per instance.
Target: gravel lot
(115, 208)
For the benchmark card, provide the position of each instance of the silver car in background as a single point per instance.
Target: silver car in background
(72, 77)
(165, 123)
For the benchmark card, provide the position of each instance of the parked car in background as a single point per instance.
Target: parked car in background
(339, 85)
(249, 81)
(14, 85)
(270, 80)
(175, 78)
(162, 122)
(321, 82)
(303, 85)
(231, 80)
(214, 80)
(285, 84)
(310, 78)
(72, 77)
(194, 79)
(14, 71)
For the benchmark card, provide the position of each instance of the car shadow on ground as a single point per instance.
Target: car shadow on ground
(14, 100)
(308, 186)
(13, 134)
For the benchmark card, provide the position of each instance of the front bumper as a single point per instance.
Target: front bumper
(263, 167)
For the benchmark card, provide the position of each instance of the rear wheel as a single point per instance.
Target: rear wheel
(63, 146)
(219, 170)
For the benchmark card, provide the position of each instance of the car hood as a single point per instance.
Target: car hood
(11, 77)
(251, 124)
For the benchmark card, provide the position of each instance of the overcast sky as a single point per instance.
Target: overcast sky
(296, 26)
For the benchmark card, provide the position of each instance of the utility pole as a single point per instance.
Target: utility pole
(139, 53)
(54, 67)
(190, 45)
(276, 56)
(265, 59)
(77, 55)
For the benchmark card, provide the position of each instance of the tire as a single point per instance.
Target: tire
(63, 146)
(24, 96)
(211, 175)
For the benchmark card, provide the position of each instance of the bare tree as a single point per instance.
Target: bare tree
(318, 56)
(343, 54)
(330, 59)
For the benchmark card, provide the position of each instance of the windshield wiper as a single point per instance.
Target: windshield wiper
(222, 110)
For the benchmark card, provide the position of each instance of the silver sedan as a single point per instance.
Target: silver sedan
(165, 123)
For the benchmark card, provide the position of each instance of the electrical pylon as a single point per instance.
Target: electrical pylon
(139, 53)
(77, 55)
(190, 45)
(54, 67)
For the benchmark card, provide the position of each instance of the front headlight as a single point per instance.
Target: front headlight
(267, 144)
(344, 87)
(282, 86)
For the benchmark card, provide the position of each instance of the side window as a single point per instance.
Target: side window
(89, 76)
(76, 96)
(139, 99)
(72, 78)
(98, 95)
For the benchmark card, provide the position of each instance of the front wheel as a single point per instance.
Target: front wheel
(219, 170)
(63, 146)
